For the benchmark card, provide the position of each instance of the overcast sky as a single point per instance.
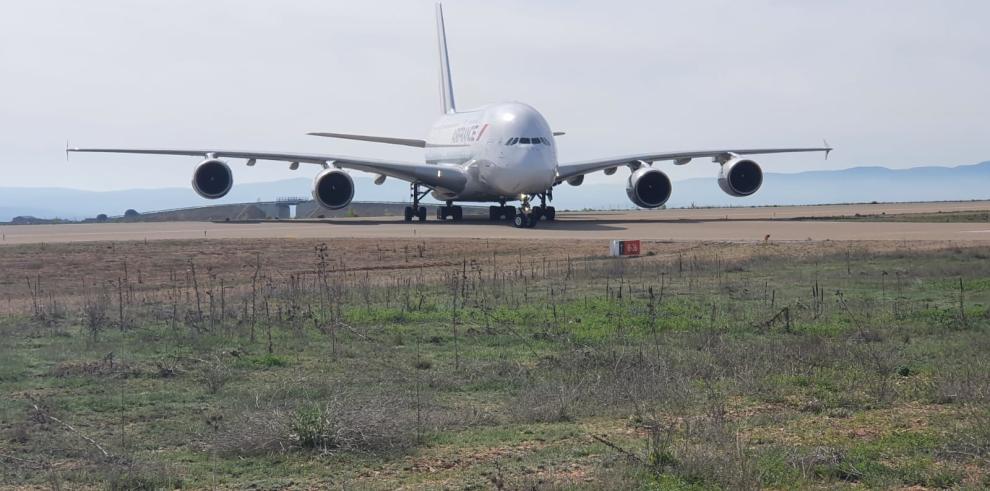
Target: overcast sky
(897, 83)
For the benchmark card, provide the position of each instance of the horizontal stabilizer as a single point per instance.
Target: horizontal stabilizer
(377, 139)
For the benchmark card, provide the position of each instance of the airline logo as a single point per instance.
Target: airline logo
(469, 134)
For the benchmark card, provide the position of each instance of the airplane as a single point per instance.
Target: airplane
(499, 153)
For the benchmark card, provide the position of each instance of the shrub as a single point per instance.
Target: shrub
(96, 310)
(215, 375)
(345, 422)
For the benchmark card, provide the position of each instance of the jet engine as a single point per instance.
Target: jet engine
(648, 187)
(333, 189)
(212, 179)
(740, 177)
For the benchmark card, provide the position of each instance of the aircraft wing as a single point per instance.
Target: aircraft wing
(575, 169)
(374, 139)
(448, 177)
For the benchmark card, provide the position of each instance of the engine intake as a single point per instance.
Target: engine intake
(648, 187)
(333, 189)
(740, 177)
(212, 179)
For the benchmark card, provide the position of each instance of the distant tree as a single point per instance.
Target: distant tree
(131, 213)
(102, 217)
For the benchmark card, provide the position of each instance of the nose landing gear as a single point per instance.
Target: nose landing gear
(527, 216)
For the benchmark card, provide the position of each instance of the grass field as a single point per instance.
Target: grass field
(697, 366)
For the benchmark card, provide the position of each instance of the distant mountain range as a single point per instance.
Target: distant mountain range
(855, 185)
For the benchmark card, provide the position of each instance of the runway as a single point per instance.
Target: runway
(716, 224)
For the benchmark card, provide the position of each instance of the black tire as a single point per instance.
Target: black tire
(538, 211)
(458, 213)
(494, 213)
(409, 214)
(519, 221)
(441, 213)
(550, 214)
(510, 212)
(531, 220)
(421, 213)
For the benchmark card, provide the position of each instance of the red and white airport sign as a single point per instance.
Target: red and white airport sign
(624, 248)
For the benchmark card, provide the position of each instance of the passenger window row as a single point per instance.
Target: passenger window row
(537, 140)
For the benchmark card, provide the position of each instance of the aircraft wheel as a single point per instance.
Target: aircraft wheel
(550, 214)
(421, 213)
(442, 213)
(531, 220)
(494, 213)
(520, 221)
(458, 213)
(510, 212)
(409, 214)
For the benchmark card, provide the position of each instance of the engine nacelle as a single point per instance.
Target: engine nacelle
(333, 189)
(740, 177)
(212, 179)
(648, 187)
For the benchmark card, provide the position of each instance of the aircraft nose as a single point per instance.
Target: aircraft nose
(531, 174)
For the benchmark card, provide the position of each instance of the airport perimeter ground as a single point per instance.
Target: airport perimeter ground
(718, 224)
(373, 354)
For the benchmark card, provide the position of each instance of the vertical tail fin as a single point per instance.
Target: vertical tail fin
(446, 85)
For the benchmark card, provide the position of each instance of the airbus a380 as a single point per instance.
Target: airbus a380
(500, 153)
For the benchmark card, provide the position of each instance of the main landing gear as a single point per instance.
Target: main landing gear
(454, 212)
(415, 210)
(419, 212)
(545, 212)
(499, 213)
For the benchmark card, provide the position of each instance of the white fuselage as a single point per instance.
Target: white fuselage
(507, 150)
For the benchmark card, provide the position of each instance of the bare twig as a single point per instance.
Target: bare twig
(617, 448)
(72, 429)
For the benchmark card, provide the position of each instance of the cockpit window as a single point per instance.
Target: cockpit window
(536, 140)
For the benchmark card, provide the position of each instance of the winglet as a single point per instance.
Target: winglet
(66, 150)
(828, 149)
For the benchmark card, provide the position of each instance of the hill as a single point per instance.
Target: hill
(858, 184)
